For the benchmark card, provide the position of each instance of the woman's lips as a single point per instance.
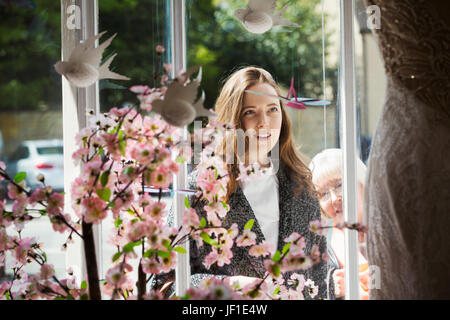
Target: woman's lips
(263, 138)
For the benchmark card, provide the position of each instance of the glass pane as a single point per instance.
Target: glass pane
(219, 43)
(141, 26)
(31, 128)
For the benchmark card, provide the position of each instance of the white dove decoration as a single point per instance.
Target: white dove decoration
(260, 16)
(178, 107)
(83, 67)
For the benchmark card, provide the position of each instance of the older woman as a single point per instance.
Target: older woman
(326, 168)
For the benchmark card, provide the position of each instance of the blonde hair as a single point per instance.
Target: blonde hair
(327, 165)
(229, 106)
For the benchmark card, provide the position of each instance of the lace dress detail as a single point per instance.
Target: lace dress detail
(408, 183)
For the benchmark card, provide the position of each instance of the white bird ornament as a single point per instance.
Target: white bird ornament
(260, 16)
(178, 108)
(83, 67)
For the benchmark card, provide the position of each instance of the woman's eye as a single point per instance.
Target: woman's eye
(274, 109)
(247, 112)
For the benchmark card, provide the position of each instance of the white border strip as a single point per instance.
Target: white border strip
(348, 142)
(178, 42)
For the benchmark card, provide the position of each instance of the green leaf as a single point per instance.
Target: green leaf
(100, 151)
(20, 177)
(286, 248)
(116, 256)
(205, 237)
(130, 246)
(104, 178)
(128, 170)
(276, 256)
(104, 194)
(249, 224)
(45, 256)
(276, 290)
(148, 253)
(118, 222)
(112, 204)
(202, 223)
(163, 254)
(166, 244)
(122, 146)
(83, 285)
(186, 202)
(131, 212)
(216, 173)
(276, 270)
(180, 250)
(224, 204)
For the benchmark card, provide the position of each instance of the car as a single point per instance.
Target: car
(39, 156)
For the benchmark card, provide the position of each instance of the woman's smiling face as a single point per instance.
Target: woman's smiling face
(261, 119)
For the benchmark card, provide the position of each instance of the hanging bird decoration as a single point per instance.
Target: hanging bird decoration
(296, 103)
(260, 16)
(83, 67)
(178, 107)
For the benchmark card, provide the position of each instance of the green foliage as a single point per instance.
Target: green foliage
(276, 256)
(249, 224)
(130, 246)
(186, 202)
(180, 250)
(19, 177)
(104, 193)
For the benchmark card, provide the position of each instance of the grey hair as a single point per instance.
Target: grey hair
(327, 164)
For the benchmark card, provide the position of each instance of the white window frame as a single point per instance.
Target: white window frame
(348, 143)
(75, 102)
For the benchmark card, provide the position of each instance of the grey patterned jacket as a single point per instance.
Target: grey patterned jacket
(295, 215)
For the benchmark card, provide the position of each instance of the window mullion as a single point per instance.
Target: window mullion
(178, 49)
(348, 142)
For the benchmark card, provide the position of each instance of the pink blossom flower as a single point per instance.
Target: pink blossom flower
(80, 155)
(156, 210)
(247, 238)
(136, 230)
(315, 254)
(212, 218)
(168, 263)
(142, 153)
(160, 49)
(233, 232)
(298, 280)
(4, 240)
(40, 194)
(296, 262)
(116, 276)
(15, 192)
(263, 249)
(211, 258)
(297, 244)
(58, 224)
(55, 203)
(92, 209)
(190, 219)
(161, 178)
(317, 227)
(119, 112)
(20, 252)
(47, 271)
(150, 265)
(141, 90)
(111, 142)
(313, 290)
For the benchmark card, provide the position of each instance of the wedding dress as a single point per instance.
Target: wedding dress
(407, 200)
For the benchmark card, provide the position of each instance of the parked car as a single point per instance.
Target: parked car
(39, 156)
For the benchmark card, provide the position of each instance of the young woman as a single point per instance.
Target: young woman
(282, 201)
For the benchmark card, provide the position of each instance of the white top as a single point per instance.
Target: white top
(262, 195)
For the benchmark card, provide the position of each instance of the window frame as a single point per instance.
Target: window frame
(75, 102)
